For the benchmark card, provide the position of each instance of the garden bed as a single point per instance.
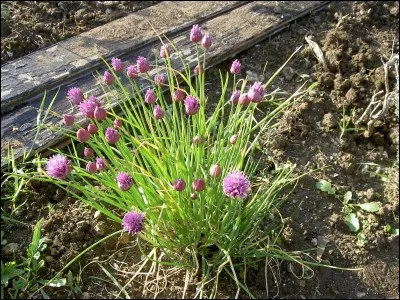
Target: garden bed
(354, 36)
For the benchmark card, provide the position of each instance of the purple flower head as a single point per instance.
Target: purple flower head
(75, 95)
(92, 128)
(88, 106)
(192, 106)
(58, 166)
(124, 180)
(117, 64)
(215, 171)
(88, 152)
(83, 135)
(235, 97)
(236, 184)
(108, 78)
(195, 34)
(142, 64)
(165, 51)
(117, 123)
(179, 185)
(133, 222)
(199, 69)
(256, 92)
(68, 119)
(112, 136)
(235, 67)
(100, 164)
(244, 99)
(131, 71)
(206, 41)
(158, 112)
(91, 167)
(150, 97)
(199, 185)
(159, 79)
(100, 113)
(178, 96)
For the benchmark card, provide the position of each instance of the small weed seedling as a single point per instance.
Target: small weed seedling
(345, 122)
(28, 278)
(350, 209)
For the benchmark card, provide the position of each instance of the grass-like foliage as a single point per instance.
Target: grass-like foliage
(173, 173)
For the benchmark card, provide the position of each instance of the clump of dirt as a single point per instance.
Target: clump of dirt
(27, 26)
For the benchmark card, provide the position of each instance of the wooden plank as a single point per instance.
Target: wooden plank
(34, 73)
(259, 20)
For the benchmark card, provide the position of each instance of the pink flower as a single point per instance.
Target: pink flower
(233, 139)
(179, 185)
(198, 139)
(88, 152)
(244, 99)
(92, 128)
(235, 67)
(195, 34)
(117, 123)
(193, 196)
(159, 79)
(235, 97)
(100, 113)
(206, 41)
(192, 106)
(150, 97)
(256, 92)
(133, 222)
(215, 171)
(68, 119)
(58, 167)
(124, 180)
(91, 167)
(158, 112)
(108, 78)
(198, 69)
(199, 185)
(112, 136)
(236, 184)
(131, 71)
(75, 95)
(165, 51)
(100, 164)
(117, 64)
(178, 96)
(83, 135)
(142, 64)
(88, 106)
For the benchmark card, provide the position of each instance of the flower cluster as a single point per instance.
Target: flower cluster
(133, 222)
(234, 185)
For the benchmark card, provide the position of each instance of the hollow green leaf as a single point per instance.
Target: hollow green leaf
(353, 222)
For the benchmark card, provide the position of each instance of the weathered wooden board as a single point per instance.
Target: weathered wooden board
(41, 70)
(232, 32)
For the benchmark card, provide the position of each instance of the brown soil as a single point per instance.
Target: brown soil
(353, 36)
(33, 25)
